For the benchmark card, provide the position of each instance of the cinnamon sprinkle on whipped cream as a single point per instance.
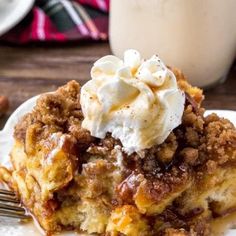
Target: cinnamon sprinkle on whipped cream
(136, 100)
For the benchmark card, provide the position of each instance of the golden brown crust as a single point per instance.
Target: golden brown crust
(4, 105)
(195, 93)
(71, 180)
(176, 232)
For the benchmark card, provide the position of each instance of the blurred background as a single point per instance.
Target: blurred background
(45, 43)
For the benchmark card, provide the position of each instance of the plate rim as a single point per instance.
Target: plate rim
(22, 7)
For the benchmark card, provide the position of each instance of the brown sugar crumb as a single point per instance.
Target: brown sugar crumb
(190, 155)
(194, 92)
(176, 232)
(221, 139)
(192, 119)
(57, 112)
(4, 105)
(166, 151)
(211, 166)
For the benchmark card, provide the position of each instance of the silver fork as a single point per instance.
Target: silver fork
(10, 206)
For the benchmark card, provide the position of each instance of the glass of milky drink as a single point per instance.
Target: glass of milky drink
(199, 37)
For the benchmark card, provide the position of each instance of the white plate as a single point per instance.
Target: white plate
(12, 12)
(7, 228)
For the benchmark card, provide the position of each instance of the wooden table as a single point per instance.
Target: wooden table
(27, 71)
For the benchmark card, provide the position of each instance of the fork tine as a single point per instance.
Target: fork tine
(13, 215)
(16, 208)
(10, 205)
(7, 192)
(11, 211)
(8, 199)
(8, 196)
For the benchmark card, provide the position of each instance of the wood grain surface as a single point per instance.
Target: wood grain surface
(27, 71)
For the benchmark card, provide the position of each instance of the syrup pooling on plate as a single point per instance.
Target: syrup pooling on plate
(137, 101)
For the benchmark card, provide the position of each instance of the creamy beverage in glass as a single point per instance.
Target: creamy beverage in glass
(198, 37)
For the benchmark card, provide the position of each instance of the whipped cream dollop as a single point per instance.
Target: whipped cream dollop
(137, 101)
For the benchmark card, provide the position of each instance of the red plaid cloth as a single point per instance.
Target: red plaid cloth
(62, 20)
